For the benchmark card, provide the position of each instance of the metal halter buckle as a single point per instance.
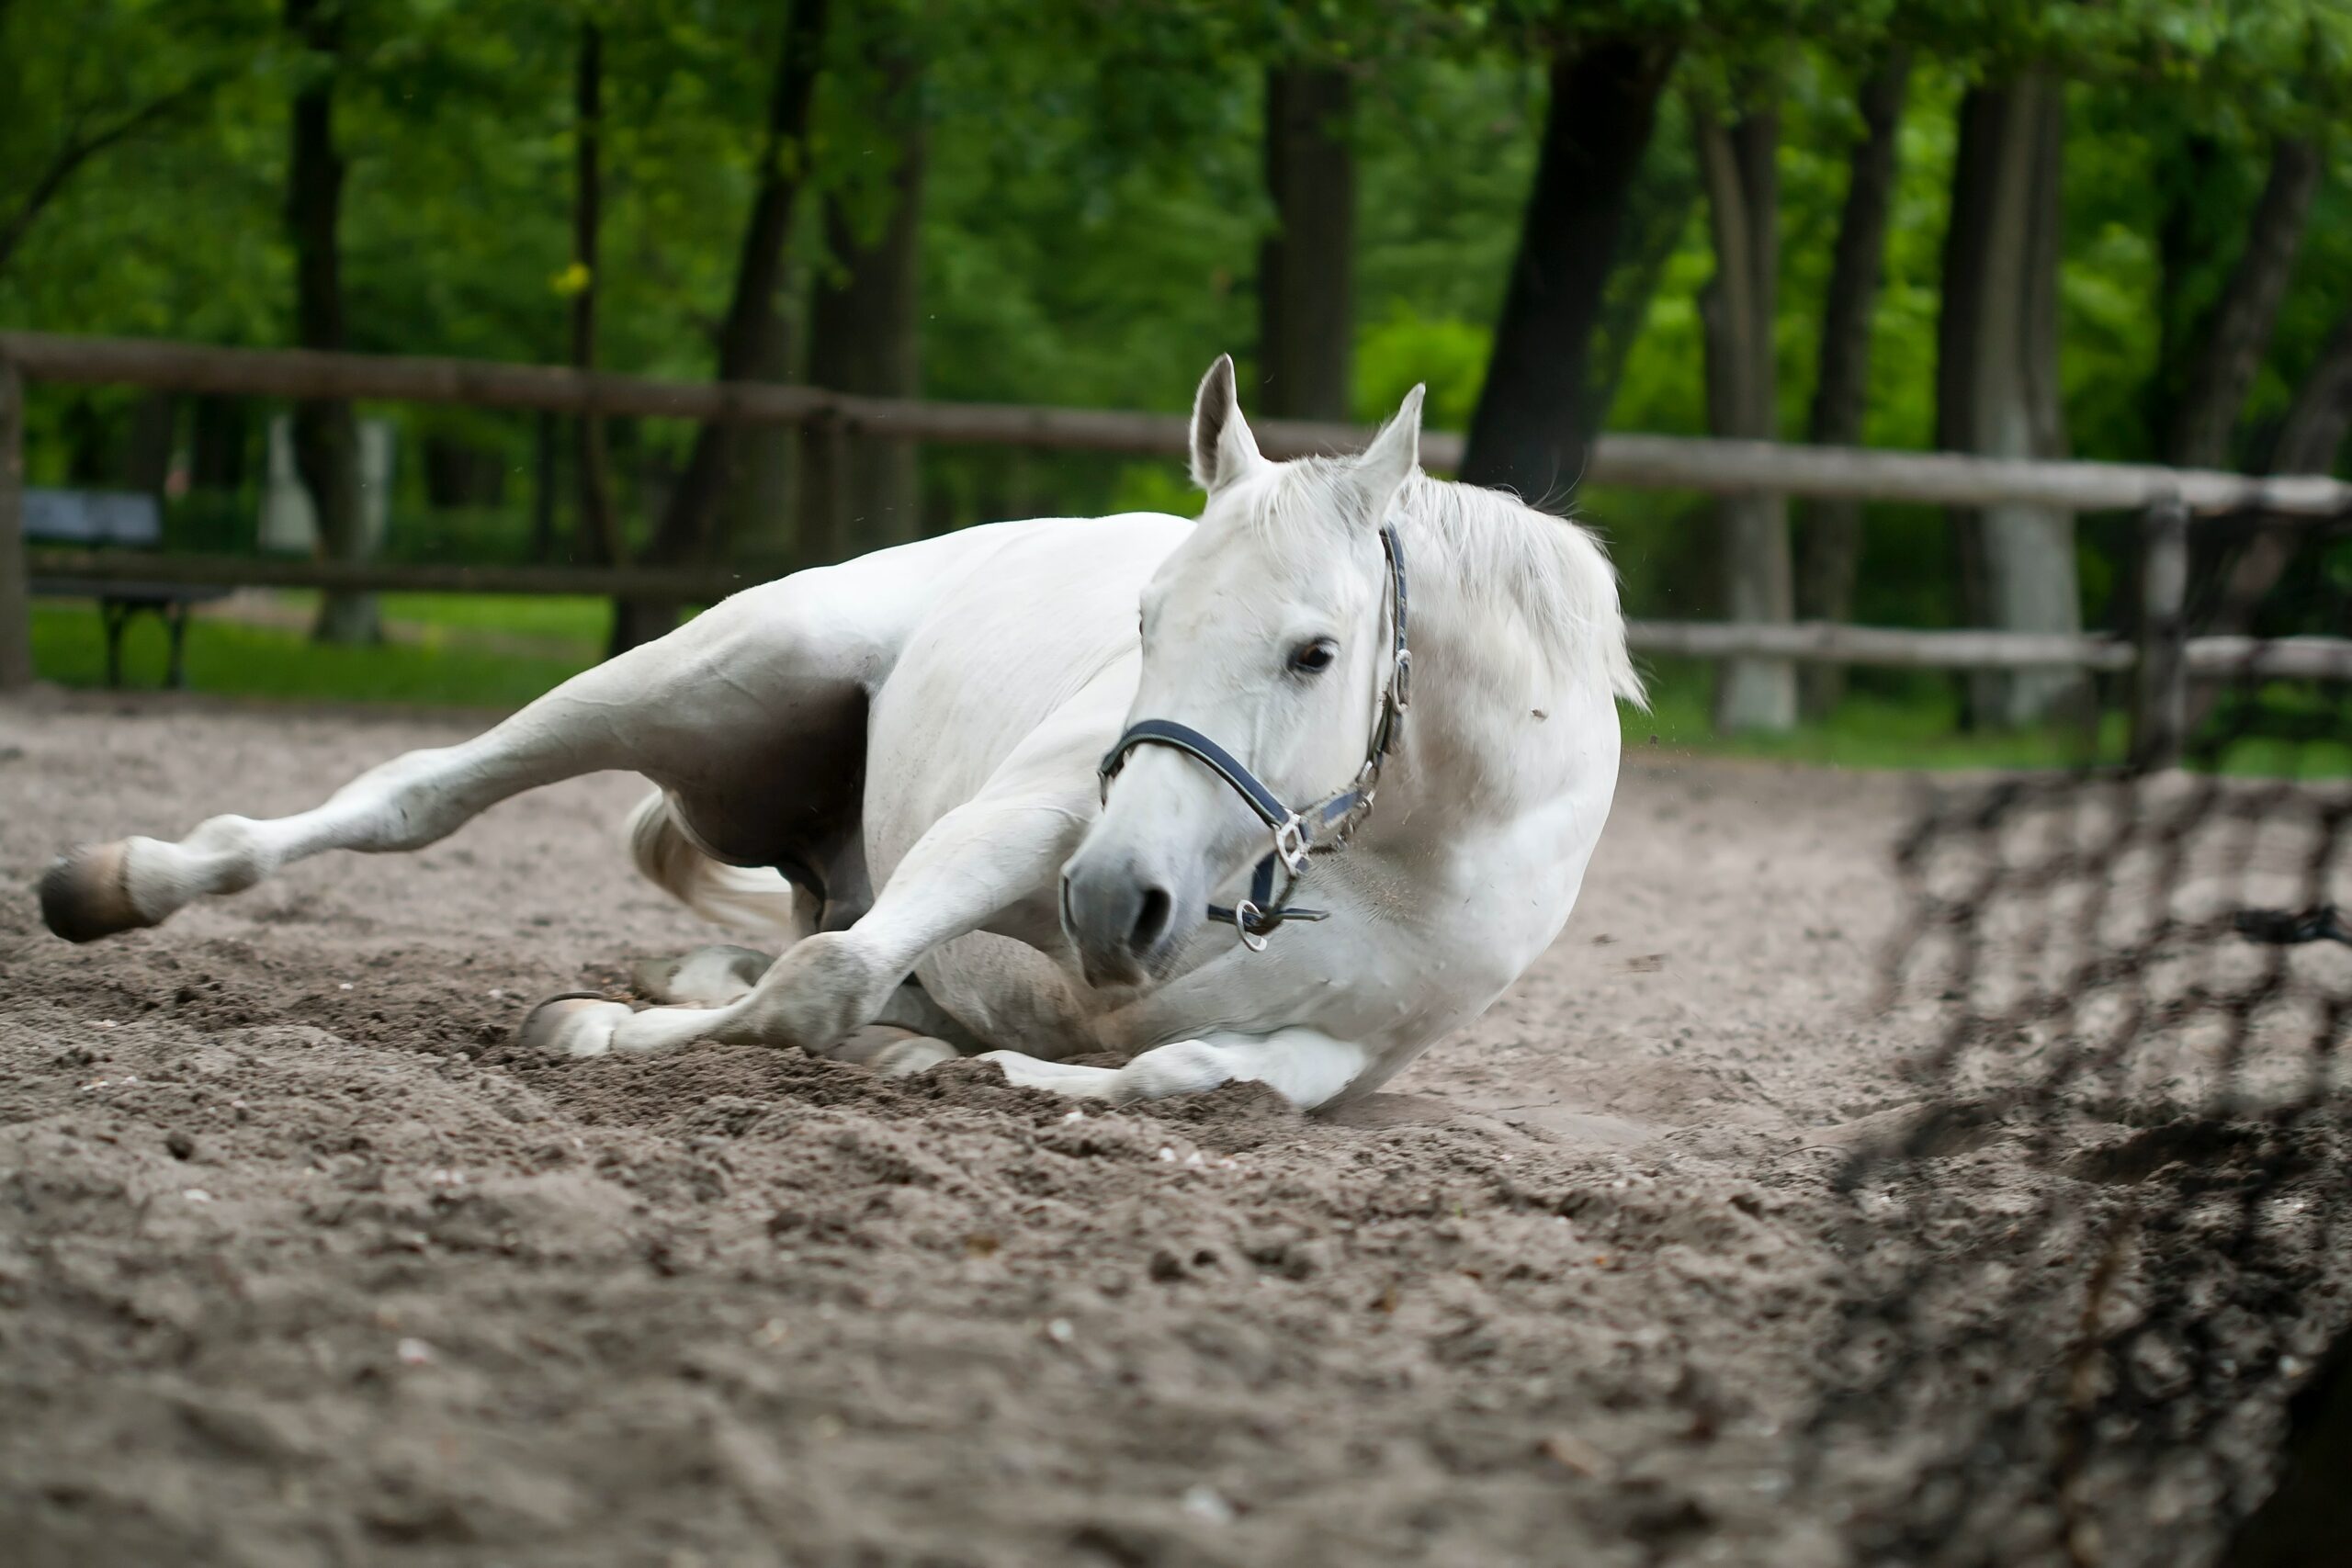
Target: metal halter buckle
(1245, 915)
(1289, 843)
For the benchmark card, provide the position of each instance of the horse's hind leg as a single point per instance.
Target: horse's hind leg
(405, 804)
(707, 977)
(645, 709)
(908, 1035)
(771, 662)
(714, 976)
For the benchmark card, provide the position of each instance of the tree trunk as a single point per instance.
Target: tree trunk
(89, 445)
(16, 589)
(147, 456)
(1529, 433)
(2182, 171)
(755, 524)
(2201, 388)
(1997, 381)
(545, 470)
(597, 538)
(1307, 266)
(1657, 211)
(753, 327)
(860, 492)
(2229, 342)
(218, 440)
(326, 437)
(1831, 538)
(2308, 440)
(1738, 309)
(2317, 420)
(457, 473)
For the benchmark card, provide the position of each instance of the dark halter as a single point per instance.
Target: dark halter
(1317, 829)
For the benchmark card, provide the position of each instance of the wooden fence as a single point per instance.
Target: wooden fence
(2168, 500)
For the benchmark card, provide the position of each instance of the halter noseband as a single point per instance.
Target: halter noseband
(1317, 829)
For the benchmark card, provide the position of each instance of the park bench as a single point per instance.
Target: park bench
(122, 520)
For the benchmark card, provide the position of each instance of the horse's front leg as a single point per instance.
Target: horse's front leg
(1305, 1066)
(1002, 849)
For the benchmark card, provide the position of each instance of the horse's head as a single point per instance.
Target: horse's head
(1264, 632)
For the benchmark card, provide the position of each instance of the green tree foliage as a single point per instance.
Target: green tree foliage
(84, 83)
(1094, 204)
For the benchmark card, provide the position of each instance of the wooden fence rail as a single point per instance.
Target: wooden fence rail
(2162, 659)
(1640, 462)
(1814, 642)
(1818, 642)
(690, 585)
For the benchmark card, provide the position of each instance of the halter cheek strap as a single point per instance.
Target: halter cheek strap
(1318, 828)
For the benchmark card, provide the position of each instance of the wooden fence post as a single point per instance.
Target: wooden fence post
(16, 589)
(2160, 687)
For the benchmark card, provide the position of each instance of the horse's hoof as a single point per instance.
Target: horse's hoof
(911, 1056)
(708, 976)
(82, 896)
(821, 990)
(578, 1023)
(889, 1052)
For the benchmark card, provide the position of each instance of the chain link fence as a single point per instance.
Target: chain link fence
(2097, 1302)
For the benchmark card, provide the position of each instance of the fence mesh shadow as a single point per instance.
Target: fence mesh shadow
(2084, 1279)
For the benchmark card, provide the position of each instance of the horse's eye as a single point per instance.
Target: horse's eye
(1314, 658)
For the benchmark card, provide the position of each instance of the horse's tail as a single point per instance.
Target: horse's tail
(743, 897)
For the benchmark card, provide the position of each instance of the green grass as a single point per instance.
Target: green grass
(468, 657)
(1917, 726)
(229, 659)
(584, 621)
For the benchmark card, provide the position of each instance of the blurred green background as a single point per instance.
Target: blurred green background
(1070, 203)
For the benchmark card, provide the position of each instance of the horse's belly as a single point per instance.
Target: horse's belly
(764, 746)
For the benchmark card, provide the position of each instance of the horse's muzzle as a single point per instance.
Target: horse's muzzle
(1126, 921)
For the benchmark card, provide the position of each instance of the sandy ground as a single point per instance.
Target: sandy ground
(301, 1261)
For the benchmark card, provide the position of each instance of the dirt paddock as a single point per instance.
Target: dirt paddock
(302, 1262)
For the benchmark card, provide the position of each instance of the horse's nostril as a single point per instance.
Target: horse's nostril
(1152, 921)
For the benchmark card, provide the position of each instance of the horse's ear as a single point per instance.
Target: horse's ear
(1393, 456)
(1223, 448)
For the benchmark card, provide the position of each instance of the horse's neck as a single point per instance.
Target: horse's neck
(1490, 733)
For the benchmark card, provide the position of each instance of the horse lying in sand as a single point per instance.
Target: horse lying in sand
(976, 807)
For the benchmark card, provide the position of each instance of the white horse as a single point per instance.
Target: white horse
(913, 741)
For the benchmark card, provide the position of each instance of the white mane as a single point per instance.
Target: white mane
(1503, 559)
